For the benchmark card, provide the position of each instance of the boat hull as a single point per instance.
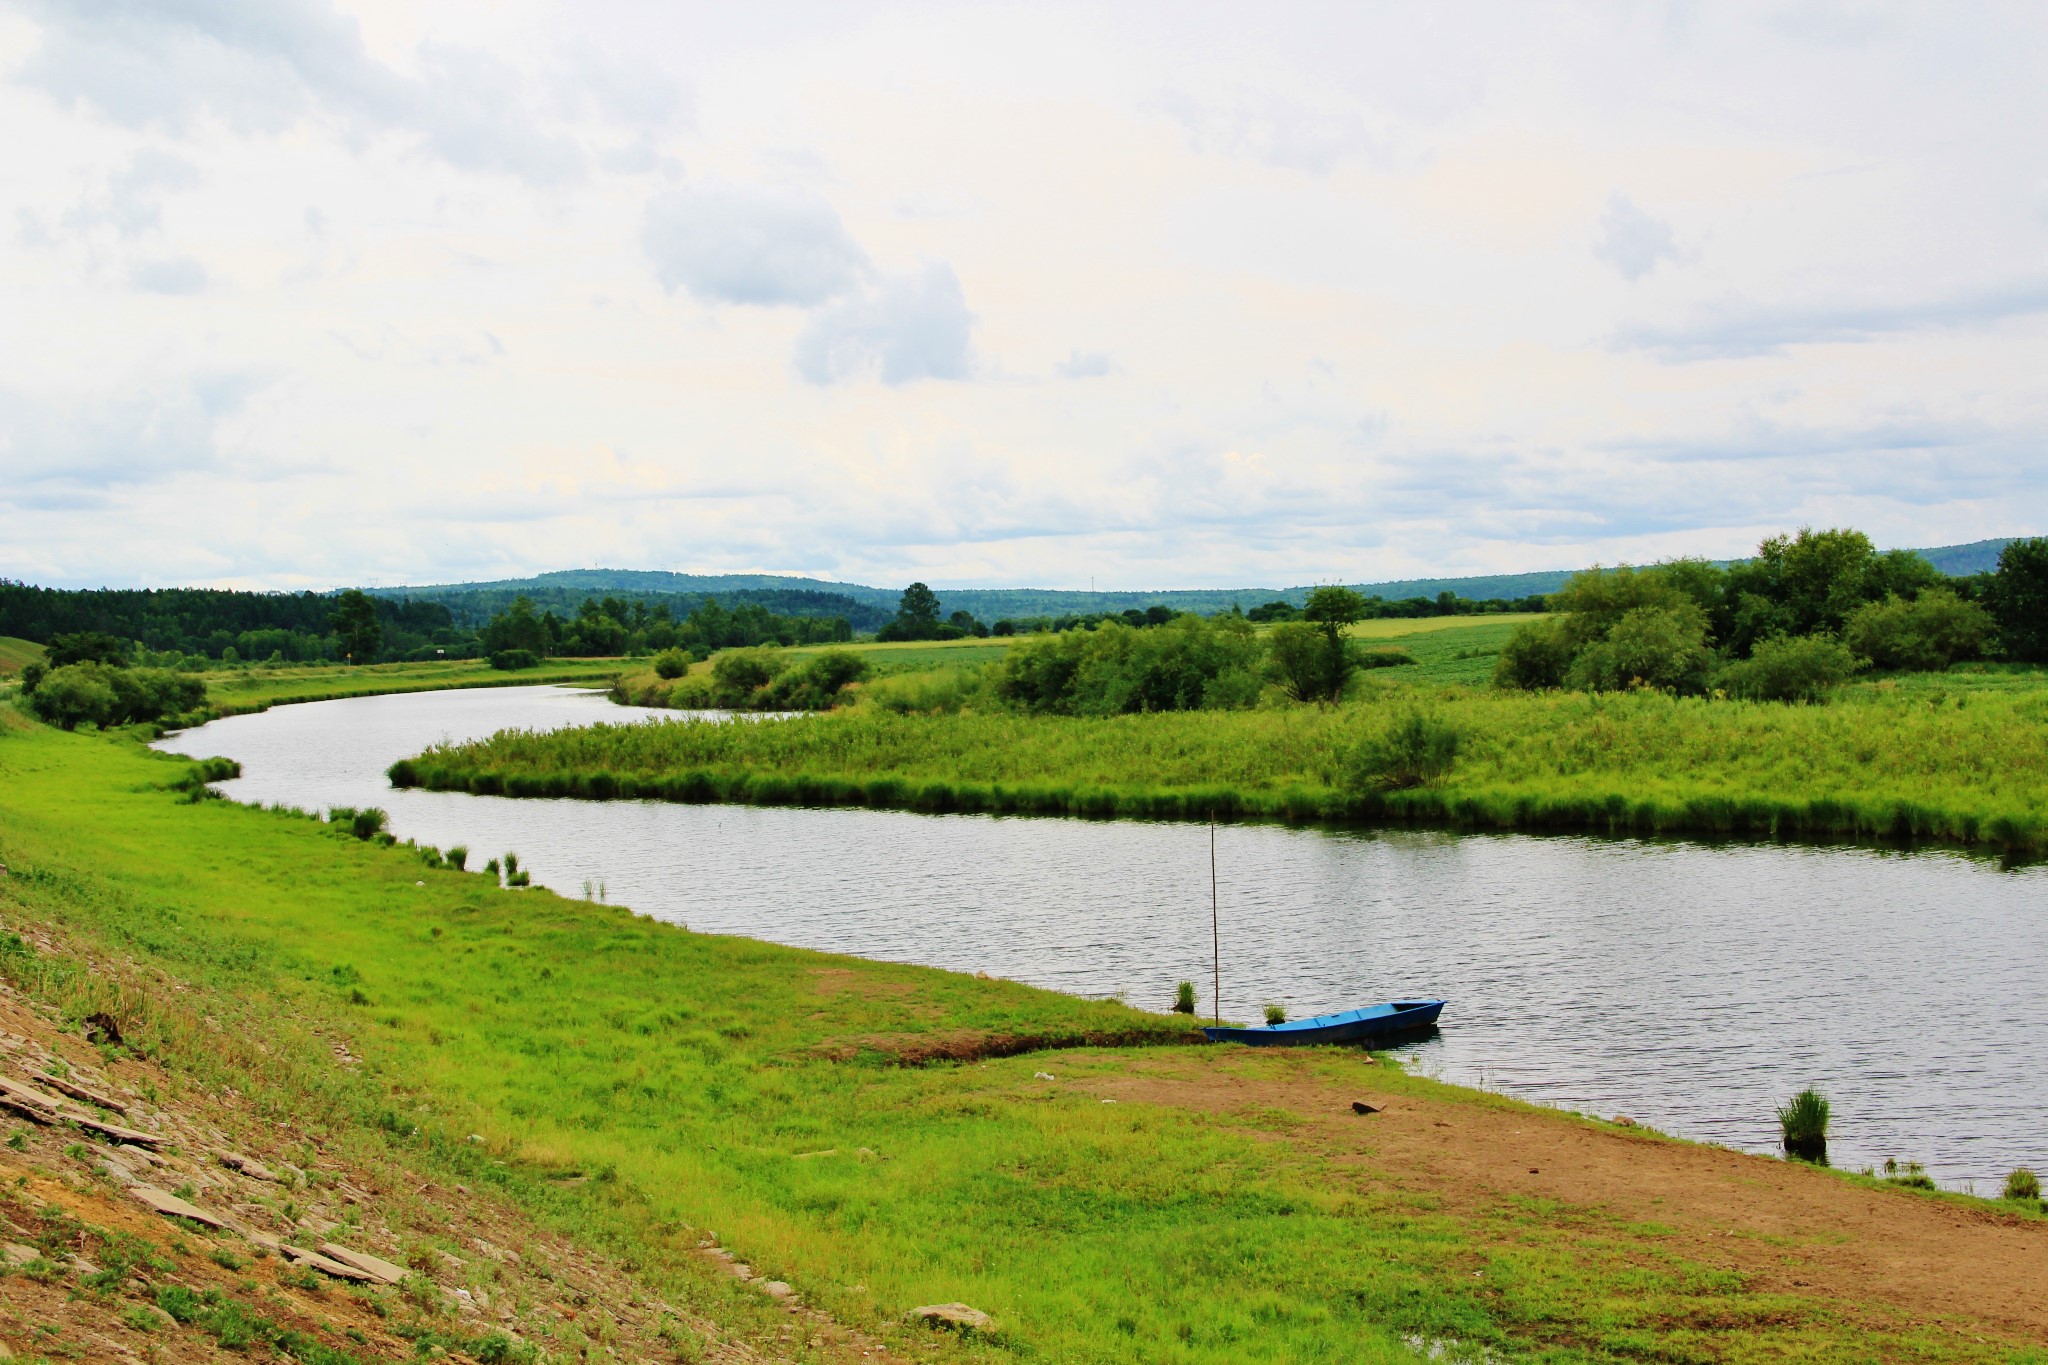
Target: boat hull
(1375, 1022)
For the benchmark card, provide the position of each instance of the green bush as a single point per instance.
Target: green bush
(671, 664)
(1928, 632)
(32, 674)
(77, 694)
(1537, 656)
(2022, 1185)
(510, 660)
(1658, 647)
(1790, 668)
(1184, 998)
(1186, 664)
(1415, 750)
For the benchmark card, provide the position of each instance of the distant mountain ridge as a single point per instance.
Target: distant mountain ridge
(992, 604)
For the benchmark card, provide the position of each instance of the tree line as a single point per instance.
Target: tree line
(1805, 614)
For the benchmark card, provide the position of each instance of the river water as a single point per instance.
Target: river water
(1692, 987)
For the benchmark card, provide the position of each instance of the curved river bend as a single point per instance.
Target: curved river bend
(1692, 987)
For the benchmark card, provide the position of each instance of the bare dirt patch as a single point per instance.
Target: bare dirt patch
(1951, 1263)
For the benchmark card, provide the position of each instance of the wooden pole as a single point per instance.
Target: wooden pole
(1215, 931)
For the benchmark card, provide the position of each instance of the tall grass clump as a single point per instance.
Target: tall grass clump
(1803, 1124)
(2022, 1186)
(458, 858)
(1415, 750)
(1184, 998)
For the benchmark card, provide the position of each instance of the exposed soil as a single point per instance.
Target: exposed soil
(1958, 1264)
(87, 1266)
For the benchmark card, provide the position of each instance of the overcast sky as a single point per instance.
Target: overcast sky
(307, 292)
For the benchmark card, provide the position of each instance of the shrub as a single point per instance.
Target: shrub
(1928, 632)
(1790, 668)
(1803, 1124)
(32, 674)
(738, 673)
(1536, 656)
(75, 695)
(671, 664)
(1415, 750)
(2022, 1185)
(510, 660)
(817, 684)
(1660, 647)
(367, 824)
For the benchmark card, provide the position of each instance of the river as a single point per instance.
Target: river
(1691, 986)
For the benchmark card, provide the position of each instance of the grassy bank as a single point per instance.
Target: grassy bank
(15, 654)
(1882, 763)
(239, 691)
(649, 1085)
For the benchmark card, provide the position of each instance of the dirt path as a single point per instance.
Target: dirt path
(1967, 1266)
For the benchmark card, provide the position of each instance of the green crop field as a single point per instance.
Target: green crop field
(643, 1084)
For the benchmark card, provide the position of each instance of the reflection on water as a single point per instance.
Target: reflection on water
(1690, 987)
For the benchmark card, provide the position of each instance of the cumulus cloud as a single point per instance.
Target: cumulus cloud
(1631, 240)
(913, 326)
(175, 275)
(1083, 365)
(736, 244)
(164, 63)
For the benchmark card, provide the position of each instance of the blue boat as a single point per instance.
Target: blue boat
(1369, 1025)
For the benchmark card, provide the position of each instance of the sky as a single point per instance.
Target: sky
(306, 293)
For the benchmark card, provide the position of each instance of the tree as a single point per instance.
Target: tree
(74, 694)
(355, 626)
(516, 627)
(2019, 598)
(1929, 632)
(1329, 610)
(87, 647)
(917, 617)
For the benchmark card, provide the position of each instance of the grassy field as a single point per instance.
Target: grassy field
(14, 654)
(237, 691)
(649, 1085)
(1961, 758)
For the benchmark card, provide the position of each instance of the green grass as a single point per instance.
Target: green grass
(16, 654)
(1885, 762)
(237, 691)
(649, 1084)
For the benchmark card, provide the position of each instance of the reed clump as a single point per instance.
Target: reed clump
(2022, 1186)
(1184, 998)
(1803, 1124)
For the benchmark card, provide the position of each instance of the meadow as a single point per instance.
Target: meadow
(1960, 757)
(860, 1130)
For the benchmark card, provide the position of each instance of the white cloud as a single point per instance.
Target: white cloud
(737, 244)
(1631, 240)
(913, 326)
(173, 275)
(523, 278)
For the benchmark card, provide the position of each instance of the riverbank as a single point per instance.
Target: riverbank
(639, 1086)
(237, 692)
(1881, 763)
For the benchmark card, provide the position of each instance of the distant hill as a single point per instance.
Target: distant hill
(867, 606)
